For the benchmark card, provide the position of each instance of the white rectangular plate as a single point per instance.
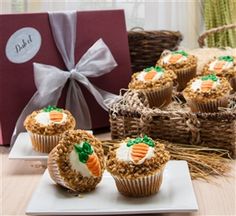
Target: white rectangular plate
(176, 195)
(22, 149)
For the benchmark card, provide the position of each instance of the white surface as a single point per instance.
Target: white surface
(22, 149)
(176, 195)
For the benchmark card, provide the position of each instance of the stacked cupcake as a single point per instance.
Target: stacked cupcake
(156, 83)
(183, 64)
(45, 127)
(207, 93)
(223, 66)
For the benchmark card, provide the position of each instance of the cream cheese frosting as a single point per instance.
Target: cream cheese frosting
(123, 153)
(141, 76)
(227, 65)
(44, 118)
(77, 165)
(196, 85)
(167, 58)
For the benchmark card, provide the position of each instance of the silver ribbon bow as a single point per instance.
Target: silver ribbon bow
(50, 80)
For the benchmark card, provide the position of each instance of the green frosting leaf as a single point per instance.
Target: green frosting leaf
(83, 157)
(156, 68)
(87, 148)
(51, 108)
(84, 151)
(212, 77)
(226, 58)
(183, 53)
(147, 140)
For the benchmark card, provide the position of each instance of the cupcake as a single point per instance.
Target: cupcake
(156, 83)
(223, 66)
(183, 64)
(77, 162)
(137, 166)
(45, 127)
(207, 93)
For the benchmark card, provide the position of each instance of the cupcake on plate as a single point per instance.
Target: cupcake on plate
(182, 63)
(207, 93)
(77, 162)
(156, 83)
(45, 127)
(137, 166)
(223, 66)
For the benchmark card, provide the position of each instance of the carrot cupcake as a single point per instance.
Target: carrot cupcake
(46, 125)
(137, 166)
(183, 64)
(207, 93)
(223, 66)
(77, 162)
(156, 83)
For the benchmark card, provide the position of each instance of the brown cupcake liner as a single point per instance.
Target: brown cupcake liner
(139, 187)
(208, 106)
(184, 76)
(159, 97)
(43, 143)
(53, 169)
(233, 83)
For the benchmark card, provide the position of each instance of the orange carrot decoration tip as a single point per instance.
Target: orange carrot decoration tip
(56, 116)
(150, 75)
(140, 147)
(219, 65)
(139, 151)
(174, 58)
(206, 85)
(87, 156)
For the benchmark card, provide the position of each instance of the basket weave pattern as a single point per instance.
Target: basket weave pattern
(147, 46)
(131, 117)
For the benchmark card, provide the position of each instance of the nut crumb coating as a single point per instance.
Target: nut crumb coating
(52, 129)
(221, 91)
(130, 170)
(189, 63)
(168, 77)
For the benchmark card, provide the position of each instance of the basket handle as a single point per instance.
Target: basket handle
(202, 37)
(137, 28)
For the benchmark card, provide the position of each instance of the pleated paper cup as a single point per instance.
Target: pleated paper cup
(43, 143)
(233, 83)
(184, 76)
(160, 97)
(139, 187)
(53, 169)
(208, 106)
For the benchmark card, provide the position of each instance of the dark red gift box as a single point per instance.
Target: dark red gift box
(17, 80)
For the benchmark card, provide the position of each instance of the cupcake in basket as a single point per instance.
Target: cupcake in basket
(137, 166)
(45, 127)
(183, 64)
(77, 162)
(207, 93)
(156, 83)
(223, 66)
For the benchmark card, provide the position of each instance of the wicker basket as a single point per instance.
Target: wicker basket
(131, 117)
(147, 46)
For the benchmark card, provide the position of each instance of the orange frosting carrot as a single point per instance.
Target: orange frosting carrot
(150, 75)
(56, 116)
(93, 165)
(219, 66)
(139, 151)
(174, 58)
(206, 85)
